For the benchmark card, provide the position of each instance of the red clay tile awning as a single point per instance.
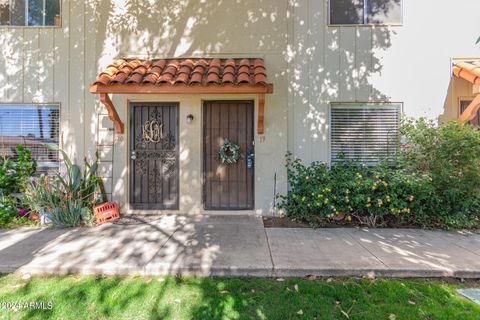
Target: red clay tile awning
(183, 76)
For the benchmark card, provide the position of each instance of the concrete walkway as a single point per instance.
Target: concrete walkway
(238, 245)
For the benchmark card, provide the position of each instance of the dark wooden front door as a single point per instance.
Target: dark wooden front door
(154, 156)
(228, 186)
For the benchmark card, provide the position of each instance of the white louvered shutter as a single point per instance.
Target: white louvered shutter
(365, 133)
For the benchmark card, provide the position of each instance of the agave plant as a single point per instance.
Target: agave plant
(78, 183)
(70, 196)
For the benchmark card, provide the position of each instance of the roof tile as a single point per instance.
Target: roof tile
(213, 78)
(468, 70)
(186, 71)
(243, 78)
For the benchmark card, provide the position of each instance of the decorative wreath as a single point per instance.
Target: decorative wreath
(230, 152)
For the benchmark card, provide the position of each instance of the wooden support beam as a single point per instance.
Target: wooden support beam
(112, 112)
(476, 89)
(471, 111)
(166, 88)
(261, 113)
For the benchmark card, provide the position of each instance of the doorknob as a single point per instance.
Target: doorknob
(250, 158)
(134, 155)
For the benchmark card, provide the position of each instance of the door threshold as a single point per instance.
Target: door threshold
(195, 213)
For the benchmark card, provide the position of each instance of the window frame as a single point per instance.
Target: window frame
(60, 135)
(354, 105)
(40, 27)
(399, 24)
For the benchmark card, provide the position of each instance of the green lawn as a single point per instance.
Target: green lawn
(78, 297)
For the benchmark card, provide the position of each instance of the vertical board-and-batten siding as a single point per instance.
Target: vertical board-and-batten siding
(330, 64)
(48, 65)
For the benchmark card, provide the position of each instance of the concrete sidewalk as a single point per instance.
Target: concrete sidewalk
(238, 245)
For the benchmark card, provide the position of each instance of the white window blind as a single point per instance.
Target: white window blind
(365, 133)
(31, 126)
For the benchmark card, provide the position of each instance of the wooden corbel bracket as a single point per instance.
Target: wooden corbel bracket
(261, 113)
(112, 112)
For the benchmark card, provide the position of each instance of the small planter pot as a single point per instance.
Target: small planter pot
(34, 216)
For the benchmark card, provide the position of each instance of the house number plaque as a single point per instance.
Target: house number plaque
(152, 131)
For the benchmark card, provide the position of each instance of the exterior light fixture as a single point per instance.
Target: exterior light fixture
(189, 118)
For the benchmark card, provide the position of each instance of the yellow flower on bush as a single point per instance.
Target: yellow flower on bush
(325, 200)
(388, 198)
(369, 199)
(307, 177)
(303, 199)
(368, 205)
(379, 202)
(349, 218)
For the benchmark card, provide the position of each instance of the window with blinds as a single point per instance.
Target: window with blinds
(31, 126)
(367, 133)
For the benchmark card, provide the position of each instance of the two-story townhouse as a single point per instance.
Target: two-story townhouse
(159, 88)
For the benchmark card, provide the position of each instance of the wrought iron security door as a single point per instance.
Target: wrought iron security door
(154, 156)
(228, 186)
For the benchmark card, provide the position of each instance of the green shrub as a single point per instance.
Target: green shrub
(450, 154)
(435, 182)
(373, 196)
(13, 177)
(7, 211)
(14, 174)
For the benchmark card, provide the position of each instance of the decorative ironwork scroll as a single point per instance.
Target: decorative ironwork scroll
(152, 131)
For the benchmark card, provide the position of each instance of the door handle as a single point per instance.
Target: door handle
(133, 156)
(250, 158)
